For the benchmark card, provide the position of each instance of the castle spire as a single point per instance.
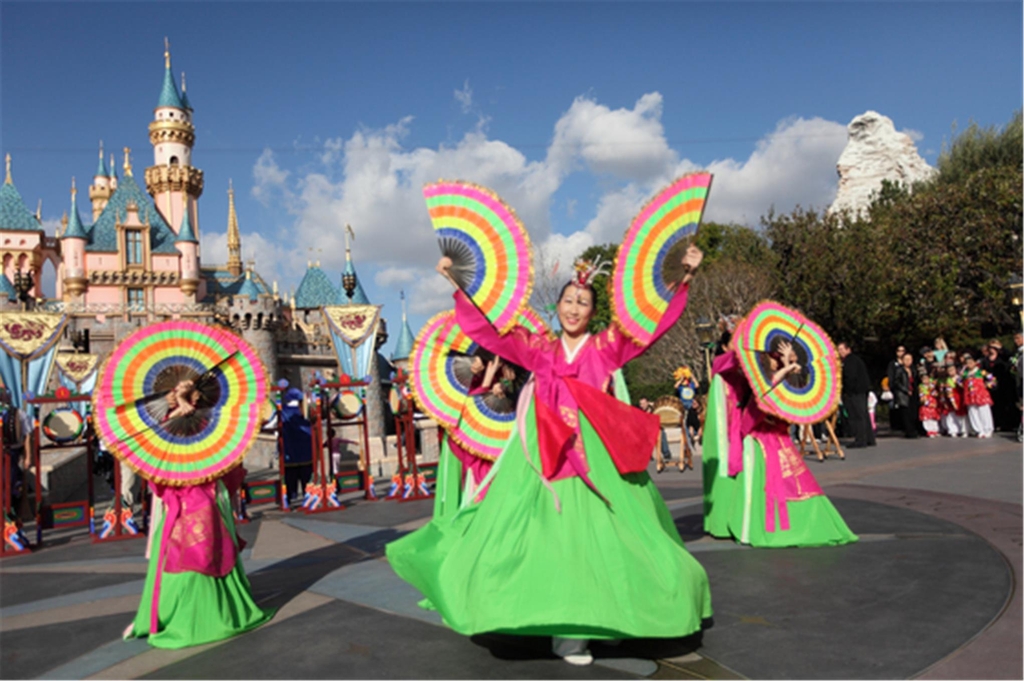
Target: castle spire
(101, 169)
(234, 238)
(7, 172)
(127, 162)
(169, 91)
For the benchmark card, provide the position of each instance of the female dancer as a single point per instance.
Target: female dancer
(573, 540)
(777, 502)
(196, 590)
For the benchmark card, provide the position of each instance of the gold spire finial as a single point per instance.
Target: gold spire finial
(39, 211)
(167, 53)
(234, 237)
(127, 161)
(112, 166)
(7, 163)
(73, 189)
(101, 151)
(183, 82)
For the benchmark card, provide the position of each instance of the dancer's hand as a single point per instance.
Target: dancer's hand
(444, 266)
(691, 261)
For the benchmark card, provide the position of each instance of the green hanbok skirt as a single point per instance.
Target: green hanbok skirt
(812, 522)
(719, 488)
(196, 608)
(514, 564)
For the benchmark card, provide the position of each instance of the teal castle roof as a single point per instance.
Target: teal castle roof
(103, 235)
(186, 234)
(315, 290)
(14, 215)
(101, 169)
(220, 283)
(169, 92)
(184, 97)
(249, 289)
(7, 288)
(403, 349)
(75, 230)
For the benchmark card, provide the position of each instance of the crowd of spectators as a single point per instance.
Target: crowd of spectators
(945, 392)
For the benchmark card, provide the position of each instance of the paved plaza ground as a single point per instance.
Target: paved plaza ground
(930, 591)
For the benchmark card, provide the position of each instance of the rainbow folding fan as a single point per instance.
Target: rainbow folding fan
(807, 396)
(441, 369)
(489, 248)
(131, 408)
(648, 265)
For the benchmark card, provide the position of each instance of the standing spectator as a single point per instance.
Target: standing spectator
(1004, 397)
(904, 390)
(951, 400)
(686, 389)
(977, 397)
(940, 350)
(856, 386)
(895, 422)
(297, 437)
(928, 412)
(927, 362)
(17, 432)
(664, 451)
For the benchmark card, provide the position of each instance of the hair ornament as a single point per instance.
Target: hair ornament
(586, 271)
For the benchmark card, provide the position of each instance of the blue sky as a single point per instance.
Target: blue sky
(325, 113)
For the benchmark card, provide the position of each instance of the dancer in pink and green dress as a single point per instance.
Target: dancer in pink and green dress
(572, 540)
(776, 502)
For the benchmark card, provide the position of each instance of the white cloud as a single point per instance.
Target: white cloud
(625, 143)
(915, 135)
(272, 262)
(270, 178)
(465, 97)
(372, 181)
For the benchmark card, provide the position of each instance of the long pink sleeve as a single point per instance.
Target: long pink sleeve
(517, 346)
(620, 349)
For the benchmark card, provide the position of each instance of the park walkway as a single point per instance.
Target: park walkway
(929, 591)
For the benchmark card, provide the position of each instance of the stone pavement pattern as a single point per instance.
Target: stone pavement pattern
(929, 591)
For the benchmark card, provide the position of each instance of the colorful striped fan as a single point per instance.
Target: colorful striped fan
(131, 404)
(807, 396)
(442, 378)
(530, 320)
(648, 265)
(489, 248)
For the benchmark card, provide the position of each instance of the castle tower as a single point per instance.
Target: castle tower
(100, 189)
(172, 181)
(188, 245)
(403, 348)
(254, 313)
(234, 237)
(73, 249)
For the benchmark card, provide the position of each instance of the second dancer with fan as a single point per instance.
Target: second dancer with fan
(573, 540)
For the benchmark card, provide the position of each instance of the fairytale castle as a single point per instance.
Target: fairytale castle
(135, 259)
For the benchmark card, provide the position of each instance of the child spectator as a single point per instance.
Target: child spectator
(928, 411)
(976, 383)
(951, 403)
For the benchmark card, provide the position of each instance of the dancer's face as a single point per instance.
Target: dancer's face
(575, 308)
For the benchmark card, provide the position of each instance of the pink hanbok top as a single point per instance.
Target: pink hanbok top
(737, 392)
(562, 380)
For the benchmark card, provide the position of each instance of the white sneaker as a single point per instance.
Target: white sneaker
(580, 659)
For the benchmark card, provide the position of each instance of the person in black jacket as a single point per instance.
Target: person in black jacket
(856, 386)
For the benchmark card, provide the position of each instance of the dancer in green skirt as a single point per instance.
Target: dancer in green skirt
(572, 540)
(196, 590)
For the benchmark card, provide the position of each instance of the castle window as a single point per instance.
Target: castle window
(137, 298)
(133, 246)
(174, 160)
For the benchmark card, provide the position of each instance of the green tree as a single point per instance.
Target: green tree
(978, 148)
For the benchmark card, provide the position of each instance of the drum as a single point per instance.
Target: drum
(347, 405)
(63, 425)
(670, 410)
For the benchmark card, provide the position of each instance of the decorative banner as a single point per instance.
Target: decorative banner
(648, 263)
(353, 323)
(131, 406)
(26, 335)
(807, 396)
(441, 373)
(488, 245)
(76, 366)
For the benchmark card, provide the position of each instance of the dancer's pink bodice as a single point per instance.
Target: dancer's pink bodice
(593, 363)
